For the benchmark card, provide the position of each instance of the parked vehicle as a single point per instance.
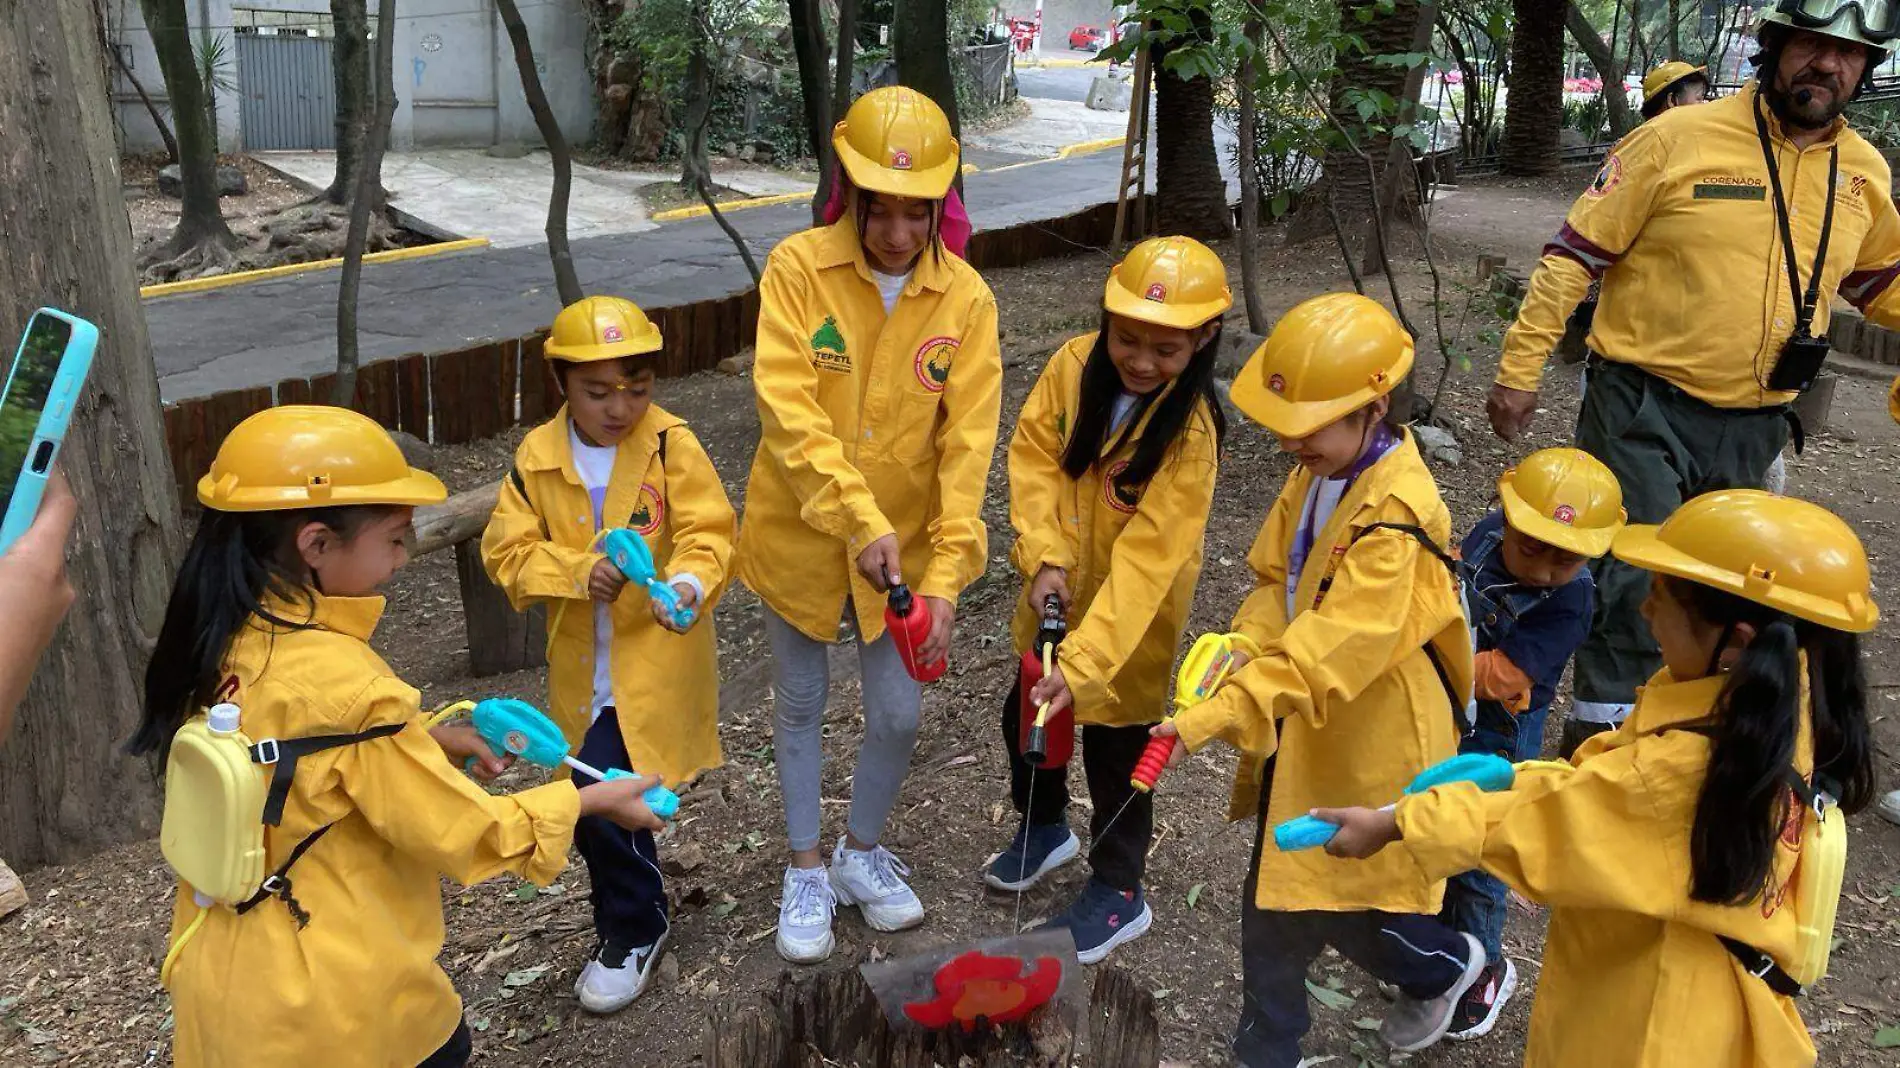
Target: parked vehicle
(1088, 39)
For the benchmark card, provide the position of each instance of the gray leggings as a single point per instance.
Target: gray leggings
(801, 682)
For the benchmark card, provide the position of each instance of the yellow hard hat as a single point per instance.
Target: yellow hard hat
(1564, 497)
(1658, 81)
(601, 328)
(1893, 400)
(310, 456)
(1779, 551)
(896, 140)
(1169, 281)
(1327, 358)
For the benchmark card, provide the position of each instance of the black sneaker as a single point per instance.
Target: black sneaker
(1479, 1009)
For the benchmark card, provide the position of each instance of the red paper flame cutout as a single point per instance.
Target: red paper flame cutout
(976, 987)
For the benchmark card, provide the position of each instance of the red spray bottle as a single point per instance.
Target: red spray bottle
(1045, 741)
(909, 623)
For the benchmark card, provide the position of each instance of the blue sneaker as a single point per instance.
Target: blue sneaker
(1103, 918)
(1034, 852)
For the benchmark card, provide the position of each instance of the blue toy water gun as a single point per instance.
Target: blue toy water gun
(519, 728)
(629, 552)
(1490, 772)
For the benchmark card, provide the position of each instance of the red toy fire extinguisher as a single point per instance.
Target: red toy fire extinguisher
(1044, 740)
(908, 620)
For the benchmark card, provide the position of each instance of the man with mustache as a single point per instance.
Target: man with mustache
(1721, 234)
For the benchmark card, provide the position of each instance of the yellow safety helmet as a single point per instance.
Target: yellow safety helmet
(1169, 281)
(896, 140)
(310, 456)
(1664, 77)
(601, 328)
(1327, 358)
(1783, 552)
(1893, 400)
(1564, 497)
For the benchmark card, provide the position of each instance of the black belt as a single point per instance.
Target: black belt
(1598, 363)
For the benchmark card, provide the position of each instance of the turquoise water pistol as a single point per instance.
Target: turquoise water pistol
(517, 727)
(629, 552)
(1491, 774)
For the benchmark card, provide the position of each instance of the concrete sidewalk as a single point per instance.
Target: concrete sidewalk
(262, 333)
(1051, 123)
(469, 193)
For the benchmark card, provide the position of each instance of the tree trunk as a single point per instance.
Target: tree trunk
(1398, 181)
(1257, 320)
(200, 223)
(695, 160)
(66, 789)
(118, 61)
(1190, 193)
(808, 41)
(566, 282)
(1610, 71)
(1675, 29)
(362, 202)
(920, 46)
(352, 75)
(840, 95)
(1535, 116)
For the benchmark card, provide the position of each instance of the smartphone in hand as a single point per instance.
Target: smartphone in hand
(36, 405)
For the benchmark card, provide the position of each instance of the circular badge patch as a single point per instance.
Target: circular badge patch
(1157, 293)
(1607, 176)
(900, 160)
(1276, 383)
(1120, 498)
(932, 362)
(649, 513)
(1565, 514)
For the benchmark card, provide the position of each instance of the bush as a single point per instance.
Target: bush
(1591, 118)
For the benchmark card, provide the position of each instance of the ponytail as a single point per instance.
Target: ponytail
(1744, 799)
(236, 561)
(1173, 412)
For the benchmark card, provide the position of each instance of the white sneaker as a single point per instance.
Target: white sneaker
(617, 975)
(873, 880)
(1889, 806)
(805, 905)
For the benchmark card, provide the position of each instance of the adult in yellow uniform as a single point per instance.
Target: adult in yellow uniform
(1721, 234)
(1672, 853)
(1363, 673)
(879, 388)
(307, 512)
(630, 686)
(1111, 478)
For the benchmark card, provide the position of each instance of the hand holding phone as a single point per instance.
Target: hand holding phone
(42, 387)
(35, 593)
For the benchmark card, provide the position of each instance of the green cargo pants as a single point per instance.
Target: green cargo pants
(1664, 447)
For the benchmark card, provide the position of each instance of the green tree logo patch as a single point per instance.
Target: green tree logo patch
(827, 348)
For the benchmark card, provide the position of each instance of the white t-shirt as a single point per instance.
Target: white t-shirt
(595, 463)
(890, 287)
(1124, 407)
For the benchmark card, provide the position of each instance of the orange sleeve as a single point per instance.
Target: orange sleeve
(1498, 679)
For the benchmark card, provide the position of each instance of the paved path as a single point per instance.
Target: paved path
(264, 332)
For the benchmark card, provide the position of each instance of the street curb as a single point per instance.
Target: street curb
(1064, 61)
(1080, 148)
(693, 211)
(238, 278)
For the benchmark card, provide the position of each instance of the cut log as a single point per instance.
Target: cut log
(12, 894)
(1123, 1027)
(456, 520)
(500, 639)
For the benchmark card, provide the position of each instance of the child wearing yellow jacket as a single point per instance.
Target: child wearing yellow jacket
(307, 510)
(627, 684)
(1111, 477)
(879, 387)
(1364, 672)
(1672, 853)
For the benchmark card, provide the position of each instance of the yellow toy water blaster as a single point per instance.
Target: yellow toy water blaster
(1210, 660)
(1490, 772)
(1045, 741)
(629, 552)
(520, 729)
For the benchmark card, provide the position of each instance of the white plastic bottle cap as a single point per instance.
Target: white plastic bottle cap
(224, 718)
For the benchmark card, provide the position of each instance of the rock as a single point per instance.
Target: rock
(12, 894)
(1108, 94)
(686, 858)
(509, 150)
(763, 152)
(738, 363)
(745, 153)
(1236, 344)
(1438, 445)
(415, 451)
(231, 183)
(670, 969)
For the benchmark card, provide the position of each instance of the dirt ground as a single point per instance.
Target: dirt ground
(78, 976)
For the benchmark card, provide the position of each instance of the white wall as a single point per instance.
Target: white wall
(455, 77)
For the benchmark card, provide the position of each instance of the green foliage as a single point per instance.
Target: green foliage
(1591, 117)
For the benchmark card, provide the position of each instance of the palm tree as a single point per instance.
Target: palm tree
(1191, 193)
(1536, 81)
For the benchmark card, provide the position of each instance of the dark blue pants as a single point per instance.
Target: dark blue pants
(1475, 901)
(629, 897)
(1418, 954)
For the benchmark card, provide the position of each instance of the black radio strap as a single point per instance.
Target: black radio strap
(1804, 305)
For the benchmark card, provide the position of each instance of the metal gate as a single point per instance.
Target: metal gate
(288, 98)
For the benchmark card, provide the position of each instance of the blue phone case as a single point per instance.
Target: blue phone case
(61, 398)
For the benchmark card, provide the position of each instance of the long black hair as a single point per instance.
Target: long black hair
(237, 560)
(1173, 410)
(1744, 798)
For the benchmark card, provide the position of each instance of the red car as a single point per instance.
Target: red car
(1088, 39)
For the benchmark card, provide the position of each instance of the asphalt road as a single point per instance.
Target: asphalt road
(1059, 83)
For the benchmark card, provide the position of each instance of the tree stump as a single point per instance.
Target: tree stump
(12, 894)
(833, 1019)
(500, 639)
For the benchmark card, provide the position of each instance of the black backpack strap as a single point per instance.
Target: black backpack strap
(285, 754)
(521, 484)
(1425, 541)
(277, 883)
(663, 450)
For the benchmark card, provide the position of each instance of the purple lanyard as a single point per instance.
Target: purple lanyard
(1383, 441)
